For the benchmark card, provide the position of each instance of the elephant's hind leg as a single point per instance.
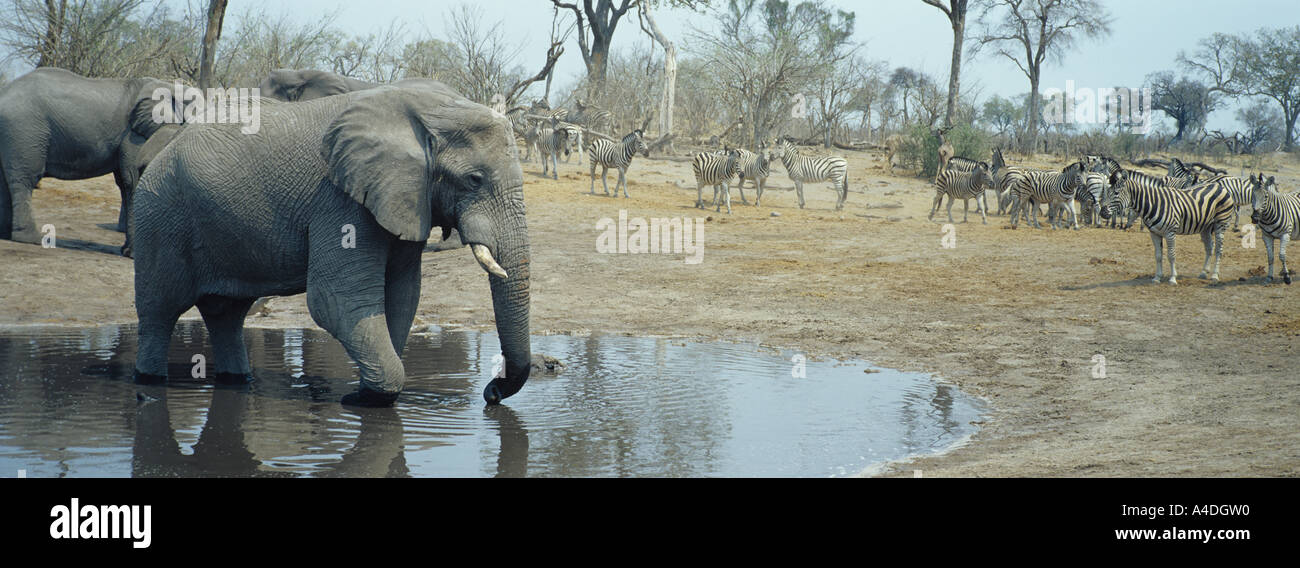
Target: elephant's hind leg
(224, 318)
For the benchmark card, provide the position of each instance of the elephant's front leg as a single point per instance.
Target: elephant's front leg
(21, 225)
(402, 290)
(346, 296)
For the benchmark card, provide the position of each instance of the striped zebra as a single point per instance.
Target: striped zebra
(611, 155)
(715, 169)
(1092, 191)
(593, 117)
(1168, 212)
(1053, 188)
(1277, 216)
(964, 186)
(553, 141)
(756, 166)
(1241, 190)
(1004, 178)
(800, 169)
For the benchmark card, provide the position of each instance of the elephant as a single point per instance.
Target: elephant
(59, 124)
(335, 197)
(136, 156)
(296, 85)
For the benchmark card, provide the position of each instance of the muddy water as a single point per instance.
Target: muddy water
(621, 406)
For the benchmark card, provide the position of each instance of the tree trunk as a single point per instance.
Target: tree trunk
(53, 31)
(216, 13)
(958, 18)
(667, 99)
(1031, 118)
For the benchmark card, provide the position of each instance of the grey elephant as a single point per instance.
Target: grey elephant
(136, 155)
(56, 123)
(334, 197)
(299, 85)
(308, 84)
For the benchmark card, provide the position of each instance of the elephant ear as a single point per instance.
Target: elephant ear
(382, 155)
(151, 106)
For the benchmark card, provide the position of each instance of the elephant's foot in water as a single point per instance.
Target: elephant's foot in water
(368, 398)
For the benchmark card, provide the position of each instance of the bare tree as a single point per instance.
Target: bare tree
(956, 12)
(211, 35)
(763, 56)
(1031, 32)
(599, 19)
(1266, 65)
(666, 100)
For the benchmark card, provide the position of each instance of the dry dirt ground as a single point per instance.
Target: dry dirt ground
(1201, 379)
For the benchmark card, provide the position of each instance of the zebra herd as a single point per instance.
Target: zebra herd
(1180, 203)
(719, 167)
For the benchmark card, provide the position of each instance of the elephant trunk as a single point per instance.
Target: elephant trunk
(510, 295)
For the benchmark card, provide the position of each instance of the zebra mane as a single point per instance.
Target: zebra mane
(1141, 177)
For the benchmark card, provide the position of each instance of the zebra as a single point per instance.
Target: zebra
(1277, 216)
(551, 142)
(1004, 178)
(611, 155)
(1052, 188)
(964, 165)
(965, 186)
(1168, 212)
(800, 169)
(1139, 179)
(715, 169)
(1092, 191)
(1241, 189)
(593, 117)
(755, 166)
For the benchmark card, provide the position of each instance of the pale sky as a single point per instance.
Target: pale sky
(1146, 36)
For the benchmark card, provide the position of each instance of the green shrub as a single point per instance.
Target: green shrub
(920, 148)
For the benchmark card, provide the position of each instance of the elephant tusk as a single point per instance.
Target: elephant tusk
(484, 258)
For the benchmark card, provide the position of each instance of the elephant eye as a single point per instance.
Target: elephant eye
(475, 179)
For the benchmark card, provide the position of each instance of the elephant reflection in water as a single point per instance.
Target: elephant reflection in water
(221, 450)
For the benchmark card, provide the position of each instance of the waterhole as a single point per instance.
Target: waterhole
(616, 407)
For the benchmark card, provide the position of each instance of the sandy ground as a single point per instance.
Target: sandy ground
(1201, 379)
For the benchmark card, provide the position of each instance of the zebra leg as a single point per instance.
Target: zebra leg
(1281, 253)
(1218, 252)
(699, 194)
(604, 174)
(726, 193)
(1157, 241)
(982, 202)
(844, 192)
(1268, 250)
(798, 187)
(622, 180)
(717, 198)
(759, 182)
(1173, 271)
(1074, 216)
(938, 200)
(1207, 239)
(741, 187)
(593, 176)
(951, 199)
